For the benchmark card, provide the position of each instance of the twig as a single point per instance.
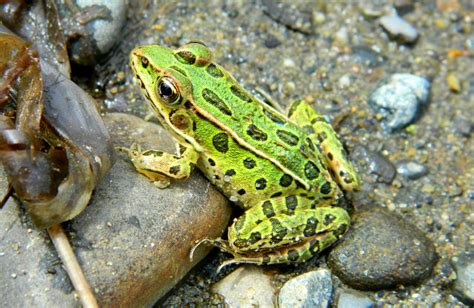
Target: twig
(73, 268)
(6, 196)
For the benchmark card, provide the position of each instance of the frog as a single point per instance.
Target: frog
(286, 170)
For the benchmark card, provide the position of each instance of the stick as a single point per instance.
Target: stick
(73, 268)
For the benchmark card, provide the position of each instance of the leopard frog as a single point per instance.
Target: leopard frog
(285, 171)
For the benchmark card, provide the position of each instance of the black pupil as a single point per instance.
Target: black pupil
(165, 90)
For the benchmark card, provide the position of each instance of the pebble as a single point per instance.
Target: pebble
(312, 289)
(353, 299)
(365, 55)
(382, 250)
(376, 163)
(399, 28)
(247, 286)
(400, 100)
(271, 41)
(463, 125)
(463, 287)
(453, 83)
(411, 170)
(133, 240)
(288, 15)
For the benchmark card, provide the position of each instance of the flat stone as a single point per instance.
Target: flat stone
(411, 170)
(247, 286)
(382, 250)
(312, 289)
(463, 287)
(399, 28)
(353, 299)
(133, 240)
(377, 163)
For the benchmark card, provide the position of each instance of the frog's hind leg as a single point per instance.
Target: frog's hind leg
(285, 230)
(322, 135)
(288, 255)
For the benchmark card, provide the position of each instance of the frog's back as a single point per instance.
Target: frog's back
(254, 125)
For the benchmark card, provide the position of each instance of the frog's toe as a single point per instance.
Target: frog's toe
(219, 243)
(239, 261)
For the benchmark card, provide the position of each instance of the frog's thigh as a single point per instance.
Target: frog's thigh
(283, 236)
(154, 163)
(321, 133)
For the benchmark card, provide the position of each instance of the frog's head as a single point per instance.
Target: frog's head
(162, 74)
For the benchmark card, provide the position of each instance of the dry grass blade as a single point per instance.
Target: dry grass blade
(64, 249)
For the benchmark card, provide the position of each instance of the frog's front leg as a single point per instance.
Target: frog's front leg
(287, 229)
(160, 166)
(321, 134)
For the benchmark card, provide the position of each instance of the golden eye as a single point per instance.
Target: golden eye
(168, 92)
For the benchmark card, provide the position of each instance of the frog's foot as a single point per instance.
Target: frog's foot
(223, 245)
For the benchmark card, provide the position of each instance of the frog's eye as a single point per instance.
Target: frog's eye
(167, 91)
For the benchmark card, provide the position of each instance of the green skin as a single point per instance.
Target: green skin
(285, 171)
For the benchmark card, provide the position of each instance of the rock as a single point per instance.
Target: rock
(271, 41)
(133, 240)
(247, 286)
(376, 163)
(353, 299)
(463, 287)
(400, 100)
(312, 289)
(411, 170)
(463, 125)
(454, 84)
(399, 28)
(291, 16)
(365, 55)
(100, 31)
(382, 250)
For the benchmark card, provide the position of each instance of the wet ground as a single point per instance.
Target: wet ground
(335, 55)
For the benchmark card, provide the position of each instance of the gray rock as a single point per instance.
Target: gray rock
(382, 250)
(312, 289)
(400, 100)
(463, 125)
(463, 287)
(294, 17)
(353, 299)
(411, 170)
(104, 21)
(366, 56)
(376, 163)
(399, 28)
(247, 286)
(133, 240)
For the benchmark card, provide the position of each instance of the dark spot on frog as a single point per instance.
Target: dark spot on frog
(260, 184)
(230, 172)
(211, 162)
(293, 255)
(326, 188)
(221, 142)
(249, 163)
(185, 57)
(256, 133)
(286, 180)
(174, 169)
